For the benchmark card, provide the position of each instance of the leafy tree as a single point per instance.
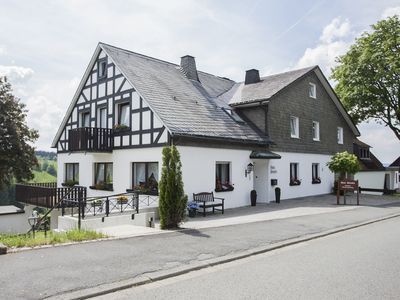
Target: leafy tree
(45, 166)
(51, 170)
(368, 75)
(173, 201)
(344, 163)
(17, 156)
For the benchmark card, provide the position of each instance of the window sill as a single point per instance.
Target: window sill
(316, 182)
(224, 190)
(316, 140)
(295, 137)
(93, 187)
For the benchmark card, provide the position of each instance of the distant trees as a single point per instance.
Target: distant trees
(17, 157)
(51, 170)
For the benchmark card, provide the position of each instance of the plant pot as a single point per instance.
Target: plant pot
(192, 212)
(253, 197)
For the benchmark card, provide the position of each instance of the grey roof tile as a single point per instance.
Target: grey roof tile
(185, 106)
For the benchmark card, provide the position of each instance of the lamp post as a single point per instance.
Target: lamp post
(32, 220)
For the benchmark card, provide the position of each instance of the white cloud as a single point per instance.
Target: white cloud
(16, 74)
(333, 42)
(2, 50)
(391, 11)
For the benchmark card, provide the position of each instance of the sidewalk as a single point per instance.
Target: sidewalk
(42, 273)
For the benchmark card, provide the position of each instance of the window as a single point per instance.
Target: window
(312, 92)
(294, 127)
(102, 69)
(71, 174)
(315, 173)
(85, 119)
(340, 135)
(102, 118)
(103, 176)
(223, 177)
(315, 130)
(123, 114)
(145, 177)
(294, 174)
(364, 153)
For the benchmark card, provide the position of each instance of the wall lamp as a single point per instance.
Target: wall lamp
(249, 169)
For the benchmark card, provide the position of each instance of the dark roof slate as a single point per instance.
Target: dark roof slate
(185, 106)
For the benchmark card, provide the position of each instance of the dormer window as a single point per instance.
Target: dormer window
(364, 153)
(102, 69)
(312, 92)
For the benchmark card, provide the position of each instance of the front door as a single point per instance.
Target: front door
(261, 183)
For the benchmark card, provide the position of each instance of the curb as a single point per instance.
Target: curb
(161, 275)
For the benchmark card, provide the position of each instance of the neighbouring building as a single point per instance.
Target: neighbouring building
(262, 133)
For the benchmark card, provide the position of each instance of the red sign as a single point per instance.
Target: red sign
(348, 185)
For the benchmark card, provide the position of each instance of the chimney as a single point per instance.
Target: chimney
(252, 76)
(188, 66)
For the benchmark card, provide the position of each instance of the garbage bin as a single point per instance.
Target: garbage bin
(278, 195)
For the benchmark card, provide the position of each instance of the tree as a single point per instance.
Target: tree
(173, 201)
(51, 170)
(368, 75)
(45, 165)
(17, 156)
(344, 163)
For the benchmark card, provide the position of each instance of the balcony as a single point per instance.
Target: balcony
(90, 139)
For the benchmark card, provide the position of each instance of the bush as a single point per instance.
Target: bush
(344, 163)
(173, 201)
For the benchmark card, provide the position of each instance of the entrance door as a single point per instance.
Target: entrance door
(261, 183)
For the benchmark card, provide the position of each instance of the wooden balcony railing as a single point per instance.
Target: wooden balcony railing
(46, 194)
(90, 139)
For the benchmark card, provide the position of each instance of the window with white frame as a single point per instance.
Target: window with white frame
(315, 130)
(102, 117)
(103, 176)
(294, 127)
(294, 174)
(315, 173)
(123, 115)
(223, 177)
(312, 92)
(340, 135)
(71, 174)
(85, 119)
(145, 177)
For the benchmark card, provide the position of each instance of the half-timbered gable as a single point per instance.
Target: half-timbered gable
(109, 114)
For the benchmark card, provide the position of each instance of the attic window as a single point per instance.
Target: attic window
(233, 115)
(102, 69)
(364, 153)
(312, 90)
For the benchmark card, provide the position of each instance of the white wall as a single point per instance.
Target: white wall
(371, 180)
(280, 169)
(16, 223)
(198, 168)
(122, 167)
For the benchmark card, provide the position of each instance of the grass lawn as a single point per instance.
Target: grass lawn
(41, 176)
(23, 240)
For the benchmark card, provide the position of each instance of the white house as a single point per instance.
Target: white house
(233, 137)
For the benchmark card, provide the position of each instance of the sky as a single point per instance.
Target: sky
(45, 46)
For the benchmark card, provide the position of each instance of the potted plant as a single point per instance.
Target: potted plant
(122, 200)
(69, 183)
(96, 203)
(316, 180)
(120, 128)
(192, 209)
(253, 197)
(295, 181)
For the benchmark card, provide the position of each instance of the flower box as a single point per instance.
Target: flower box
(122, 200)
(316, 180)
(295, 182)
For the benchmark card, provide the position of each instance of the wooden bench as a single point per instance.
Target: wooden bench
(207, 200)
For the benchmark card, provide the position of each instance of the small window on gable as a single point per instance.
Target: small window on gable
(315, 130)
(312, 90)
(102, 69)
(340, 135)
(294, 127)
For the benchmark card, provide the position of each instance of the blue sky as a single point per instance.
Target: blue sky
(45, 46)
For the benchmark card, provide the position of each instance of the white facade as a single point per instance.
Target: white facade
(371, 180)
(199, 172)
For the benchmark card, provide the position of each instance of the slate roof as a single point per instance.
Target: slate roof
(266, 88)
(186, 107)
(396, 163)
(371, 164)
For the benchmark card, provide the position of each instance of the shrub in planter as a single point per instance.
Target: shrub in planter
(96, 203)
(122, 200)
(120, 128)
(69, 183)
(192, 208)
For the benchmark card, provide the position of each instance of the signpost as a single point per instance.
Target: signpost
(347, 185)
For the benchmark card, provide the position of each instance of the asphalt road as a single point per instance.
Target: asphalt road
(362, 263)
